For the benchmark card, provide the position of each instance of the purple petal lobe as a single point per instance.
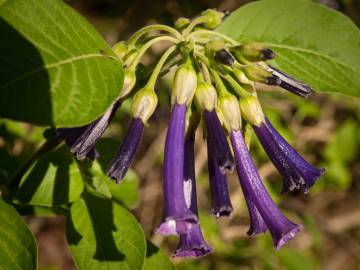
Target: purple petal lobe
(257, 224)
(281, 229)
(177, 218)
(192, 244)
(220, 198)
(289, 83)
(87, 136)
(126, 154)
(217, 137)
(296, 172)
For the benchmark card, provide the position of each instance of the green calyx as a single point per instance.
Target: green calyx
(144, 104)
(251, 110)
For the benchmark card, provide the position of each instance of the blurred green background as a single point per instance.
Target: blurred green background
(324, 128)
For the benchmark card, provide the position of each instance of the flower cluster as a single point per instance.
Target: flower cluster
(215, 82)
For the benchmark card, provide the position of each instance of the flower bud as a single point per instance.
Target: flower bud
(181, 23)
(224, 57)
(251, 110)
(120, 49)
(258, 74)
(212, 18)
(184, 84)
(228, 107)
(254, 52)
(129, 82)
(144, 104)
(205, 96)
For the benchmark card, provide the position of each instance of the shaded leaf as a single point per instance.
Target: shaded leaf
(18, 249)
(55, 66)
(54, 179)
(104, 235)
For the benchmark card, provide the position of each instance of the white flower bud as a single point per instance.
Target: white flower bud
(129, 82)
(144, 104)
(184, 84)
(228, 106)
(205, 96)
(251, 110)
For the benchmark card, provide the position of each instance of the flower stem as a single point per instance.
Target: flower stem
(239, 90)
(147, 45)
(156, 27)
(212, 33)
(159, 65)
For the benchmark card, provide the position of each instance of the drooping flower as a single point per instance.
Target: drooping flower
(217, 139)
(296, 171)
(126, 154)
(192, 243)
(177, 218)
(281, 229)
(142, 107)
(220, 198)
(83, 139)
(291, 84)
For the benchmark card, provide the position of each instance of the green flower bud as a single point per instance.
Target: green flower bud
(184, 84)
(120, 49)
(181, 23)
(212, 18)
(205, 96)
(254, 52)
(251, 110)
(129, 82)
(258, 74)
(228, 107)
(144, 104)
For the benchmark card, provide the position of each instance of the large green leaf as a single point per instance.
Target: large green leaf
(312, 42)
(55, 68)
(18, 249)
(54, 179)
(104, 235)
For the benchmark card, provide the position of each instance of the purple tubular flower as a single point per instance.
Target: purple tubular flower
(220, 199)
(289, 83)
(84, 138)
(70, 135)
(281, 229)
(296, 172)
(127, 151)
(192, 243)
(177, 217)
(217, 138)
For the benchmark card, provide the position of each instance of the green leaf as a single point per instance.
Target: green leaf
(156, 259)
(56, 69)
(17, 244)
(54, 179)
(313, 43)
(104, 235)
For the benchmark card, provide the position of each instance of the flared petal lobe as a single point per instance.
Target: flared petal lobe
(297, 173)
(177, 218)
(192, 243)
(87, 136)
(281, 229)
(127, 151)
(217, 137)
(220, 198)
